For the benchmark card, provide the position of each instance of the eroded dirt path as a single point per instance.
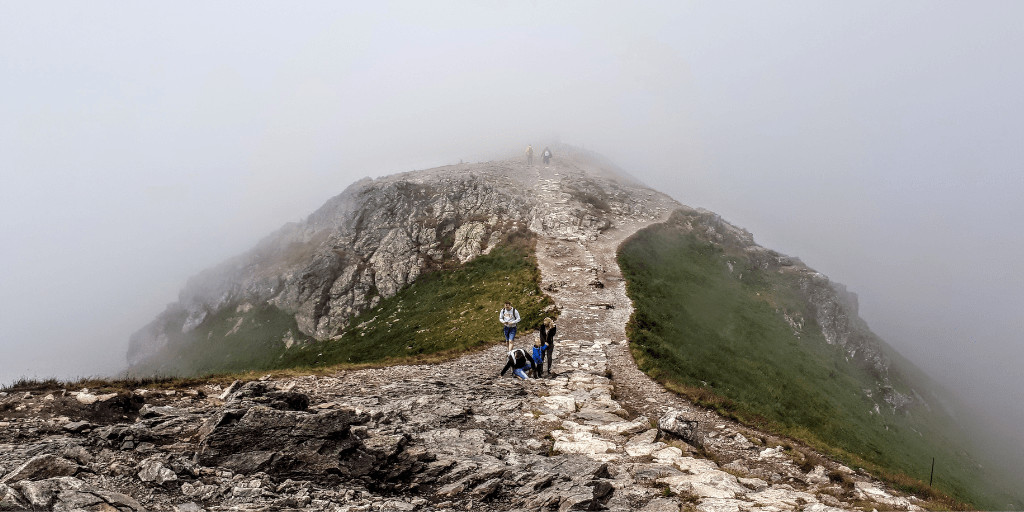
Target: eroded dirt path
(584, 277)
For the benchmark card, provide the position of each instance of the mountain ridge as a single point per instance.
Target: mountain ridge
(580, 440)
(379, 235)
(372, 239)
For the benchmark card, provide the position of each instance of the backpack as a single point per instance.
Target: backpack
(515, 361)
(512, 314)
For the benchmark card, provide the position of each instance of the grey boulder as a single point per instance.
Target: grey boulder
(675, 423)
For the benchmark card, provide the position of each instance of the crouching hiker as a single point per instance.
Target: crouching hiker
(538, 357)
(519, 361)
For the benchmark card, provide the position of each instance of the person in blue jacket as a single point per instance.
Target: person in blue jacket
(538, 357)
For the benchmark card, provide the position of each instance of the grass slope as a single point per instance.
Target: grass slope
(722, 340)
(443, 313)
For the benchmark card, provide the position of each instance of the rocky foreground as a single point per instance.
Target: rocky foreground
(595, 435)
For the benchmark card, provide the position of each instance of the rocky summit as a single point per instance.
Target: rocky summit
(596, 434)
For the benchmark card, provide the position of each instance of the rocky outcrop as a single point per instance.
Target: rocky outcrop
(362, 246)
(376, 237)
(285, 443)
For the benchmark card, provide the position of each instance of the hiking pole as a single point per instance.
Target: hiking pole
(933, 473)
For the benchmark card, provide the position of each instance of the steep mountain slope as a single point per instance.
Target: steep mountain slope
(309, 280)
(448, 434)
(763, 338)
(362, 279)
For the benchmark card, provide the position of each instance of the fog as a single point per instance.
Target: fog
(882, 143)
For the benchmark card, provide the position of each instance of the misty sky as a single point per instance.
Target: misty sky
(880, 142)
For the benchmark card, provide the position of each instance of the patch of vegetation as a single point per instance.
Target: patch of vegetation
(444, 313)
(101, 384)
(238, 338)
(709, 324)
(590, 193)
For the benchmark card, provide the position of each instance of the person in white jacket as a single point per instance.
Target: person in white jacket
(509, 318)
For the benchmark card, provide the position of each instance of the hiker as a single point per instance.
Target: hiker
(538, 356)
(529, 155)
(547, 155)
(519, 361)
(509, 318)
(547, 339)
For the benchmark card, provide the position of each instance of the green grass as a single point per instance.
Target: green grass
(444, 313)
(721, 339)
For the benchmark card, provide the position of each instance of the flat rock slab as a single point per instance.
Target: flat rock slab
(286, 443)
(596, 417)
(41, 467)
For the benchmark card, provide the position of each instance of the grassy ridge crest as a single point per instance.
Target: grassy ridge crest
(713, 323)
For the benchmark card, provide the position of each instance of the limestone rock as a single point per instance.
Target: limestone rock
(707, 484)
(781, 498)
(89, 398)
(819, 507)
(77, 426)
(580, 442)
(469, 239)
(644, 444)
(662, 505)
(153, 470)
(675, 423)
(11, 499)
(721, 505)
(41, 467)
(693, 465)
(384, 446)
(286, 443)
(67, 493)
(624, 427)
(817, 475)
(755, 484)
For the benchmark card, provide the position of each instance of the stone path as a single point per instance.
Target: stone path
(585, 279)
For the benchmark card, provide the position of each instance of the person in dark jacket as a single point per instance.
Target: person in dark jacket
(547, 339)
(547, 155)
(519, 361)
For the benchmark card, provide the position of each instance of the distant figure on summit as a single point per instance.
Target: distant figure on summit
(547, 155)
(529, 155)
